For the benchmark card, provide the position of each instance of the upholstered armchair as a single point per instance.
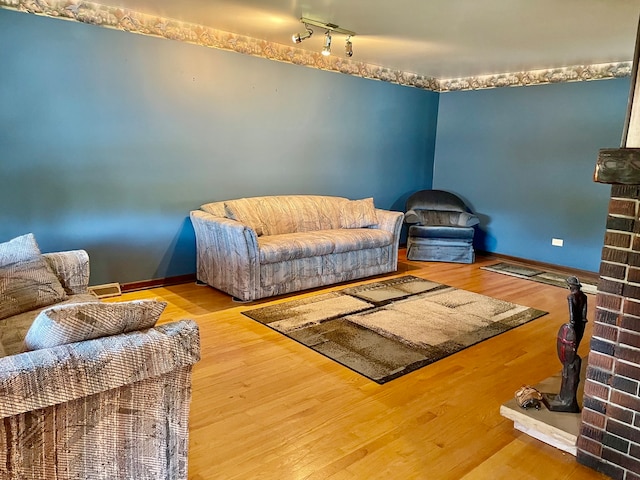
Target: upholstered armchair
(88, 389)
(441, 227)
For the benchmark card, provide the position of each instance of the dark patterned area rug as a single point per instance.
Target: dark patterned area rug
(541, 276)
(386, 329)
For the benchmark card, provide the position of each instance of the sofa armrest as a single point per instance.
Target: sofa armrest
(228, 257)
(71, 268)
(390, 220)
(51, 376)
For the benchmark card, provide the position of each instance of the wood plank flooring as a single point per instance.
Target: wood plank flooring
(266, 407)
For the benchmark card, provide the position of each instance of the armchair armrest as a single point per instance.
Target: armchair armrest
(42, 378)
(411, 217)
(113, 408)
(468, 219)
(227, 254)
(71, 268)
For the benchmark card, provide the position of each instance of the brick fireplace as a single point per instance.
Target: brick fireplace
(609, 439)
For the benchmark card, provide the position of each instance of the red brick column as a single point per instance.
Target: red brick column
(609, 439)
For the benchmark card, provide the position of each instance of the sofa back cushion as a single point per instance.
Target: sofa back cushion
(26, 280)
(280, 214)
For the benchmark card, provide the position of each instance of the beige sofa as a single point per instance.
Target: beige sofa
(75, 403)
(258, 247)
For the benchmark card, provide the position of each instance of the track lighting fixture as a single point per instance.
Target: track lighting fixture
(299, 37)
(330, 29)
(326, 48)
(348, 47)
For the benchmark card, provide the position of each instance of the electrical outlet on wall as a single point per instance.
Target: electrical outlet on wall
(557, 242)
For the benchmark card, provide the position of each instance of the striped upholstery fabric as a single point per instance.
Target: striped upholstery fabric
(358, 214)
(279, 248)
(311, 272)
(72, 269)
(26, 280)
(112, 408)
(64, 324)
(297, 243)
(214, 208)
(13, 330)
(286, 213)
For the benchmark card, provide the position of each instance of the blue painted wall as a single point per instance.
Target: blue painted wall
(109, 139)
(524, 159)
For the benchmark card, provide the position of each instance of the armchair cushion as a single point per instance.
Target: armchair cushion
(358, 214)
(26, 280)
(441, 218)
(76, 322)
(441, 231)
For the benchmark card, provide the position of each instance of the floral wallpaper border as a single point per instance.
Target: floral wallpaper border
(136, 22)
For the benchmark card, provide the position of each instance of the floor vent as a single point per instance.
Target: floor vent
(106, 290)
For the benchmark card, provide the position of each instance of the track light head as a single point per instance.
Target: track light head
(348, 48)
(299, 37)
(326, 49)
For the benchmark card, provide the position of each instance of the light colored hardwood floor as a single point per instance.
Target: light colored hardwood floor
(266, 407)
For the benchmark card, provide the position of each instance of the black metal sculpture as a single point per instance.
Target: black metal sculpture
(568, 341)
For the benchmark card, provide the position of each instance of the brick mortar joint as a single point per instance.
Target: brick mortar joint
(617, 312)
(628, 199)
(624, 345)
(624, 217)
(627, 330)
(619, 280)
(619, 249)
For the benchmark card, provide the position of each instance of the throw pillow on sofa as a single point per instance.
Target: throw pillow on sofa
(76, 322)
(26, 280)
(358, 214)
(244, 211)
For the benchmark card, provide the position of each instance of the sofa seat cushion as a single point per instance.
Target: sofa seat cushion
(13, 330)
(348, 240)
(441, 231)
(291, 246)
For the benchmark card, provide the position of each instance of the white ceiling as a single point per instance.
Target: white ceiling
(435, 38)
